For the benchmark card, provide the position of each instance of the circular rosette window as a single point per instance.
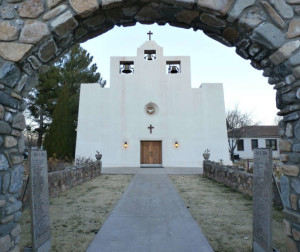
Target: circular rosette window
(151, 108)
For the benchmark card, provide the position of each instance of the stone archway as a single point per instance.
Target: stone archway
(34, 33)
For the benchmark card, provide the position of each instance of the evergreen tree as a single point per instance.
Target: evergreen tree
(42, 101)
(71, 70)
(60, 139)
(75, 69)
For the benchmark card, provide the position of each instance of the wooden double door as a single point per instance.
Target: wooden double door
(151, 153)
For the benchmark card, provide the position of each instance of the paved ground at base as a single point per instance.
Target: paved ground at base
(150, 217)
(167, 170)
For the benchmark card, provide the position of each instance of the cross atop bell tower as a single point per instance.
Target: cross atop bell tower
(150, 33)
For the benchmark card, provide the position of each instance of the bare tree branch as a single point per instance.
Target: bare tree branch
(236, 123)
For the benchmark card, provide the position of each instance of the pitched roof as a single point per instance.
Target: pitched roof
(257, 131)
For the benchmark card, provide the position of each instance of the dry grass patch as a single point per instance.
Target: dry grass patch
(224, 215)
(76, 215)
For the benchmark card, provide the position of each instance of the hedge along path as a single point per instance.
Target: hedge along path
(35, 33)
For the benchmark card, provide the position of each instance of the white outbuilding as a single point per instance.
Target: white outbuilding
(150, 116)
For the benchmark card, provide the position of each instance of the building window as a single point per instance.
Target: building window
(149, 54)
(240, 145)
(271, 143)
(173, 67)
(254, 143)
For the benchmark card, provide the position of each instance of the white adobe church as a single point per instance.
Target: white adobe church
(151, 116)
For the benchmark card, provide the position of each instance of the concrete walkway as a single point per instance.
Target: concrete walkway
(150, 217)
(167, 170)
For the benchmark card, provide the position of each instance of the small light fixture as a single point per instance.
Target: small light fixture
(125, 145)
(176, 144)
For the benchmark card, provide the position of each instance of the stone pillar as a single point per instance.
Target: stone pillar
(290, 182)
(12, 123)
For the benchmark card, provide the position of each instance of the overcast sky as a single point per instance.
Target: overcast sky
(210, 62)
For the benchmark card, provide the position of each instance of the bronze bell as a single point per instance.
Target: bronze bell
(127, 69)
(149, 57)
(173, 69)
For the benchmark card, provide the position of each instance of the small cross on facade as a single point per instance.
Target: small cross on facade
(150, 128)
(150, 33)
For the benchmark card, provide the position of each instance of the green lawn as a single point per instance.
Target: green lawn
(76, 215)
(224, 215)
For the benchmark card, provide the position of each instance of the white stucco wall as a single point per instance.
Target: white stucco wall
(194, 117)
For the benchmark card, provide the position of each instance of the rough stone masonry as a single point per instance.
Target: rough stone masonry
(34, 33)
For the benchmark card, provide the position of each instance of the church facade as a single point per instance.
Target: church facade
(150, 116)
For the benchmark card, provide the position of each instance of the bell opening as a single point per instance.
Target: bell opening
(173, 70)
(149, 54)
(126, 67)
(173, 67)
